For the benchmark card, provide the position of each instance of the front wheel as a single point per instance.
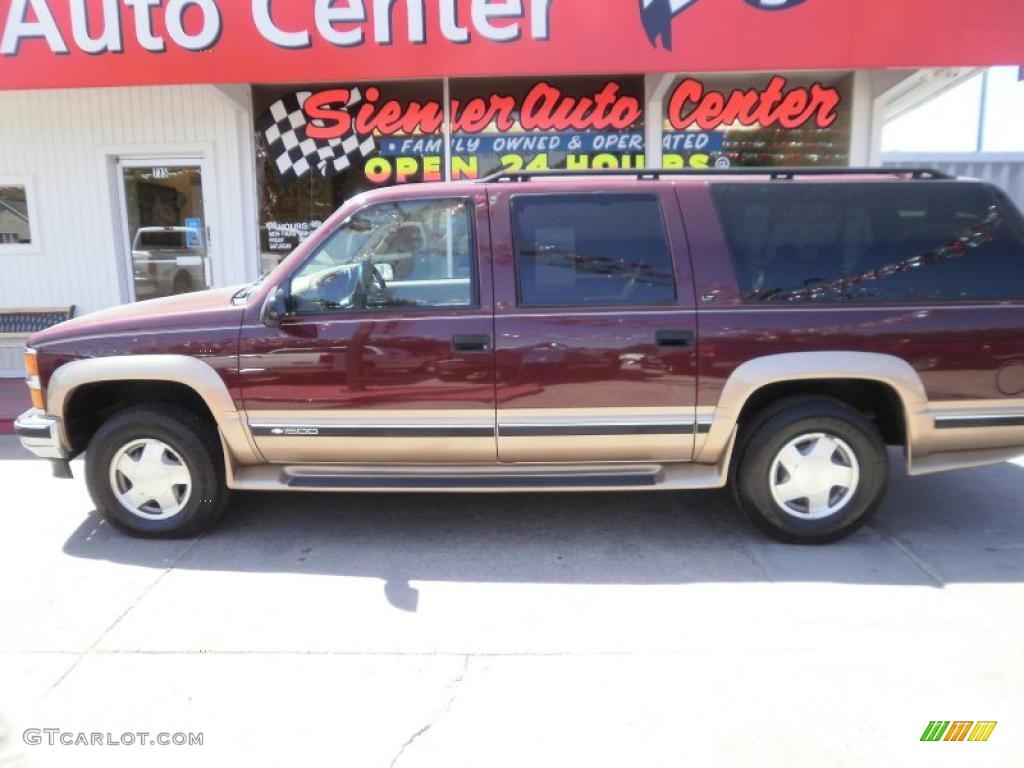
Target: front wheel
(810, 470)
(157, 471)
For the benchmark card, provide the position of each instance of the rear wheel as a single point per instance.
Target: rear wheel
(157, 471)
(810, 470)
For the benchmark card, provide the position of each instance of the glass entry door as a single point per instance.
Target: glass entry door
(165, 227)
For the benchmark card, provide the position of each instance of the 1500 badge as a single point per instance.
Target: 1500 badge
(295, 431)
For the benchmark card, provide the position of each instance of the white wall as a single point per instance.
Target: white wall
(64, 141)
(982, 113)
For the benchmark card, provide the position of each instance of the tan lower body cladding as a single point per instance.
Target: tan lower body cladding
(508, 436)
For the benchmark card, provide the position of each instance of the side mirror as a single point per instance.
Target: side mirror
(276, 308)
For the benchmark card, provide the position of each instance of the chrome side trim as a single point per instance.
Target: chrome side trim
(528, 429)
(980, 420)
(368, 430)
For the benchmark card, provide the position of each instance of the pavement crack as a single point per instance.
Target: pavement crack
(739, 542)
(923, 565)
(452, 689)
(88, 651)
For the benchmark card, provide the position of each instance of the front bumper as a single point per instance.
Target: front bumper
(41, 434)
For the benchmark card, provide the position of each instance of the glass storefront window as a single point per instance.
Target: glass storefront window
(536, 124)
(757, 119)
(317, 146)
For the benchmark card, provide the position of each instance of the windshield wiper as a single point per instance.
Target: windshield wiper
(247, 291)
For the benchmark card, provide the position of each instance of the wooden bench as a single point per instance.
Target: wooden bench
(16, 325)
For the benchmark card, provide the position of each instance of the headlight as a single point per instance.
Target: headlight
(32, 379)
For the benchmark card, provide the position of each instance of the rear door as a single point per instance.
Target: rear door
(595, 324)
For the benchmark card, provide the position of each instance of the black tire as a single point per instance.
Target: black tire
(192, 438)
(772, 430)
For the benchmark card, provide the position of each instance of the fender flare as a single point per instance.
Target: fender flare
(191, 372)
(760, 372)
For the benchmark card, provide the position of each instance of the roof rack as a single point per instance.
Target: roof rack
(774, 173)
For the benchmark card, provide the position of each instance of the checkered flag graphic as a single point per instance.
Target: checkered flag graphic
(294, 153)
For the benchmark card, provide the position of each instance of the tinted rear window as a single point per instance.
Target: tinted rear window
(591, 249)
(881, 242)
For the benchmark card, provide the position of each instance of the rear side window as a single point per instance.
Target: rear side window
(881, 242)
(591, 249)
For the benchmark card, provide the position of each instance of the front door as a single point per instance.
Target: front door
(164, 227)
(387, 353)
(595, 325)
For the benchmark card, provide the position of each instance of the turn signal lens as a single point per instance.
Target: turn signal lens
(32, 378)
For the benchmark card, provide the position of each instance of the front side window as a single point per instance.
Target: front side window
(591, 249)
(411, 254)
(15, 228)
(881, 242)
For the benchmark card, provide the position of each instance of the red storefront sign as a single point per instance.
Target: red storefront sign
(52, 43)
(546, 108)
(335, 130)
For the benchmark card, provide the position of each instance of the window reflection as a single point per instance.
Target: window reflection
(892, 241)
(411, 254)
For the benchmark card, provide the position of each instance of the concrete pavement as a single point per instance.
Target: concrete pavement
(476, 630)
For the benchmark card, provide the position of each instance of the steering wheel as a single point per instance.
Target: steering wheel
(334, 289)
(372, 278)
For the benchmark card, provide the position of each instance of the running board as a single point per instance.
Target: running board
(479, 478)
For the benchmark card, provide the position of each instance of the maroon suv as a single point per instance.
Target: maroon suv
(650, 331)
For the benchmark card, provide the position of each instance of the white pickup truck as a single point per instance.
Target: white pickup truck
(164, 262)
